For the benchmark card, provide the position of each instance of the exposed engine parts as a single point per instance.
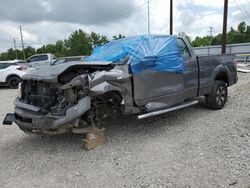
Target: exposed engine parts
(60, 101)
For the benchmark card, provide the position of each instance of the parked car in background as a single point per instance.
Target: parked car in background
(62, 60)
(11, 73)
(40, 60)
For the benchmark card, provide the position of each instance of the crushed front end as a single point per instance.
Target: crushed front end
(47, 107)
(72, 98)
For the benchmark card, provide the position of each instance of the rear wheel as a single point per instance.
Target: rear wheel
(218, 97)
(13, 81)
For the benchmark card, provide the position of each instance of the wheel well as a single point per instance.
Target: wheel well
(11, 75)
(223, 77)
(109, 95)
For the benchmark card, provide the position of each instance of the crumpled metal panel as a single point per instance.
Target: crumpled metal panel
(163, 87)
(119, 79)
(51, 73)
(75, 111)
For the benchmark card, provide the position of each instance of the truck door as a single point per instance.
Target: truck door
(158, 89)
(190, 70)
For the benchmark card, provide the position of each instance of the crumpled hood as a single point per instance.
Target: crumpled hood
(50, 73)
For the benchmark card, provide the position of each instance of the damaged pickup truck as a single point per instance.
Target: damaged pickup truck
(144, 75)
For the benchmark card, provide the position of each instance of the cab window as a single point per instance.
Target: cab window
(184, 51)
(38, 58)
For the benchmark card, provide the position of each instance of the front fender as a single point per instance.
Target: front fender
(104, 87)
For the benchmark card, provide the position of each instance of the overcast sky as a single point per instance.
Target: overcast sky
(46, 21)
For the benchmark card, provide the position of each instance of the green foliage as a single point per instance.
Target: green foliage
(78, 43)
(120, 36)
(239, 35)
(97, 39)
(201, 41)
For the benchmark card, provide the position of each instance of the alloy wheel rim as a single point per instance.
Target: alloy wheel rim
(221, 95)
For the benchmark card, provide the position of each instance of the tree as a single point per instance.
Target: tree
(247, 34)
(120, 36)
(60, 49)
(242, 27)
(217, 39)
(29, 51)
(11, 54)
(97, 39)
(201, 41)
(79, 43)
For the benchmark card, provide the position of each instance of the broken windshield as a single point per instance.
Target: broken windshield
(114, 51)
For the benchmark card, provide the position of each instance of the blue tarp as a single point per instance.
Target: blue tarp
(159, 53)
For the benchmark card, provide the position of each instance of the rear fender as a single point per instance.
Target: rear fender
(221, 72)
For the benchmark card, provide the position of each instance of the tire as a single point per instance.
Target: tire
(217, 99)
(13, 82)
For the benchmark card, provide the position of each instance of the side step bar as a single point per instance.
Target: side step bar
(154, 113)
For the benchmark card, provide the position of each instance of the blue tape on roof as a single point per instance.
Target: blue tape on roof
(159, 53)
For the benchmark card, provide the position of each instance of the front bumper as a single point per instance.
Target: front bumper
(33, 120)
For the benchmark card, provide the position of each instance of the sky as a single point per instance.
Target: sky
(46, 21)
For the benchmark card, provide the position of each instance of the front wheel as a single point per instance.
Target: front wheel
(218, 97)
(13, 82)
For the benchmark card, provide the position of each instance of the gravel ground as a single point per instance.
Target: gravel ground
(192, 147)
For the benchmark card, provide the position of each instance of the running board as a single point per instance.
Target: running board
(155, 113)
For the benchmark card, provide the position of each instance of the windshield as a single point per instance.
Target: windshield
(115, 50)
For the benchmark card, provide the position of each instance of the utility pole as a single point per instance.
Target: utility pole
(224, 33)
(171, 18)
(148, 19)
(22, 41)
(15, 48)
(211, 35)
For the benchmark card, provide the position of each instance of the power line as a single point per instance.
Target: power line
(195, 17)
(241, 9)
(187, 7)
(177, 15)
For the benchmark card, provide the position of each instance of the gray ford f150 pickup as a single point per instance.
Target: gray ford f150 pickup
(145, 75)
